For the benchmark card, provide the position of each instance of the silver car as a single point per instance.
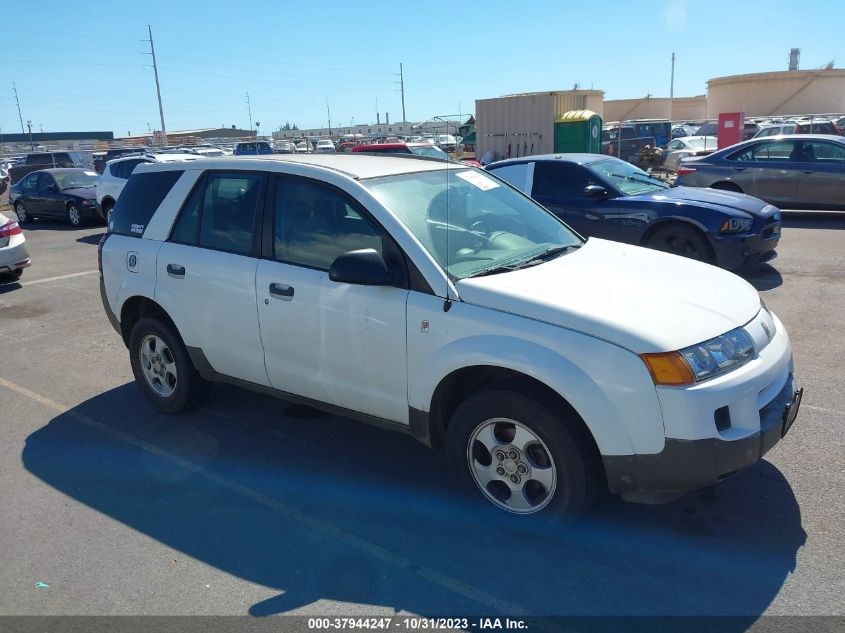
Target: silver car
(797, 171)
(687, 146)
(13, 255)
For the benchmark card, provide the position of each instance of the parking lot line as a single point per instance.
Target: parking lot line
(59, 277)
(339, 534)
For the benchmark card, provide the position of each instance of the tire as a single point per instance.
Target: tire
(556, 455)
(682, 240)
(727, 186)
(23, 216)
(106, 210)
(177, 387)
(73, 216)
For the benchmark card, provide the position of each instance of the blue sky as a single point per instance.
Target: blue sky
(82, 66)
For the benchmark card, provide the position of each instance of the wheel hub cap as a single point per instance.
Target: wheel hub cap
(511, 465)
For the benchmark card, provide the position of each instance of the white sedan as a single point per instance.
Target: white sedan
(13, 255)
(688, 146)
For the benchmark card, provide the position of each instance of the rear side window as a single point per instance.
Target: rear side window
(139, 200)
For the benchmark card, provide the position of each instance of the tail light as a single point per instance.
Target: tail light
(683, 171)
(9, 229)
(100, 251)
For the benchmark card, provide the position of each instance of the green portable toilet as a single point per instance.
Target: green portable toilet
(578, 131)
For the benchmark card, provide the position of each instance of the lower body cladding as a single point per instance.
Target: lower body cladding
(716, 428)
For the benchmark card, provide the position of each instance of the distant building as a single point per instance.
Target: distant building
(15, 143)
(363, 129)
(188, 136)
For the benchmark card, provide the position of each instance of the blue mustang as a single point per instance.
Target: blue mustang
(605, 197)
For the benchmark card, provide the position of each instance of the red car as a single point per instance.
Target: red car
(420, 149)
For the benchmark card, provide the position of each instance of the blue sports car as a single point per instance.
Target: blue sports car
(605, 197)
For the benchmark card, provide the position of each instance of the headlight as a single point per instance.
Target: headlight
(703, 361)
(736, 225)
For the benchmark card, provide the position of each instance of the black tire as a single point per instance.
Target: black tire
(21, 212)
(727, 186)
(73, 216)
(105, 210)
(683, 240)
(578, 479)
(187, 387)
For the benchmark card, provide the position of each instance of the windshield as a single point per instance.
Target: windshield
(702, 143)
(432, 151)
(476, 224)
(75, 179)
(627, 179)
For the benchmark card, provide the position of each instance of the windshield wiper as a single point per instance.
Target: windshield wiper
(545, 256)
(642, 180)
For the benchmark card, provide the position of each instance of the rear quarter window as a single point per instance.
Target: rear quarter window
(139, 200)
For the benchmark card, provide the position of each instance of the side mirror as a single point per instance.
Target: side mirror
(51, 189)
(365, 267)
(595, 191)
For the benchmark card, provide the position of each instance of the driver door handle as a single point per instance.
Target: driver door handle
(281, 291)
(175, 270)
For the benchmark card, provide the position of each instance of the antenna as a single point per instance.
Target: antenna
(447, 303)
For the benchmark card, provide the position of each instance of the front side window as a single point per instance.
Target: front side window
(769, 151)
(314, 224)
(44, 181)
(560, 180)
(470, 223)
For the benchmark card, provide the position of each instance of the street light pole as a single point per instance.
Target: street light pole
(158, 87)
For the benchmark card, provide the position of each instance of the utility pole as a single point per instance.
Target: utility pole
(15, 88)
(249, 110)
(402, 89)
(158, 87)
(329, 113)
(672, 80)
(29, 126)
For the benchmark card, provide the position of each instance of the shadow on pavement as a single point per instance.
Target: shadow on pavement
(762, 277)
(814, 220)
(93, 239)
(325, 508)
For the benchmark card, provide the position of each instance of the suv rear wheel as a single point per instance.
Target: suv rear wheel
(520, 457)
(161, 366)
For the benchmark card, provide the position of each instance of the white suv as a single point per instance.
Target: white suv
(433, 298)
(116, 172)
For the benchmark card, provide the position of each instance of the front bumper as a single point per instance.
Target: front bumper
(717, 427)
(685, 465)
(740, 251)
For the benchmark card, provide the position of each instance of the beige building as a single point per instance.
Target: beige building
(677, 109)
(523, 124)
(783, 92)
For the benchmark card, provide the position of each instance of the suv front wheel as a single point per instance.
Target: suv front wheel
(161, 366)
(520, 456)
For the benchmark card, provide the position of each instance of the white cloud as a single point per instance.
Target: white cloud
(675, 15)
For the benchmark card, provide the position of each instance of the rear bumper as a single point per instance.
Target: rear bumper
(14, 258)
(111, 315)
(685, 465)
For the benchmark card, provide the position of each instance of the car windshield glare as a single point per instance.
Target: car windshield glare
(76, 180)
(470, 222)
(432, 151)
(627, 179)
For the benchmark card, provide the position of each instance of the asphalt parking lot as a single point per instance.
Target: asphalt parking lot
(251, 506)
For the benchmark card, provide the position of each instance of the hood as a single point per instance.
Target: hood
(89, 193)
(713, 198)
(638, 298)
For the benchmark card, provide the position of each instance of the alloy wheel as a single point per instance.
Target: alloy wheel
(158, 365)
(511, 465)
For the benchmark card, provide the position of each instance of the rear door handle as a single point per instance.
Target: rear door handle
(175, 270)
(282, 291)
(739, 168)
(809, 171)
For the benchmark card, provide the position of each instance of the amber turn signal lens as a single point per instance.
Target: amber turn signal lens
(668, 368)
